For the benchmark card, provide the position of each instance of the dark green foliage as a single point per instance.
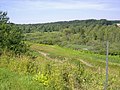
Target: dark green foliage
(75, 25)
(11, 37)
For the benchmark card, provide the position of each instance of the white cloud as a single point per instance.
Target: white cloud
(49, 4)
(59, 4)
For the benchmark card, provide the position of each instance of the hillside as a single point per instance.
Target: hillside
(88, 35)
(63, 69)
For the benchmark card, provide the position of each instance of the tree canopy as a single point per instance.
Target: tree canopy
(11, 37)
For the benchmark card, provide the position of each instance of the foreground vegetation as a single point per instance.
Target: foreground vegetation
(55, 68)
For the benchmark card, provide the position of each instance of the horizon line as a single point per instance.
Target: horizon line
(66, 21)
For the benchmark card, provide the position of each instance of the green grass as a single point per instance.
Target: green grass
(57, 51)
(13, 81)
(57, 68)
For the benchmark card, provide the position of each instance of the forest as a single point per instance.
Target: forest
(88, 35)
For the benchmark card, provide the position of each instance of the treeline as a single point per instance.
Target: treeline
(11, 37)
(76, 25)
(79, 34)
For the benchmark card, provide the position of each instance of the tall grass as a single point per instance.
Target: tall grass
(36, 72)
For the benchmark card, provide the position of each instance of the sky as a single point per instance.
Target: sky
(43, 11)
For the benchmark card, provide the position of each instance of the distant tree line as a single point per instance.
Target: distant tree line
(75, 25)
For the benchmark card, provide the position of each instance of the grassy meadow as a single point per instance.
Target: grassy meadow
(51, 67)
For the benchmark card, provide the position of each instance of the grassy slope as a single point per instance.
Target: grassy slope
(73, 56)
(14, 81)
(62, 53)
(59, 58)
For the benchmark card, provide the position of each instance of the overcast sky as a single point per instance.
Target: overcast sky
(41, 11)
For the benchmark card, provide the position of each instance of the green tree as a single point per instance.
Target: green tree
(11, 37)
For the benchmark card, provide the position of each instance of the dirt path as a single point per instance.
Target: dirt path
(47, 57)
(86, 63)
(44, 54)
(56, 60)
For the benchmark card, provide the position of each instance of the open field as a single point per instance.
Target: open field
(50, 67)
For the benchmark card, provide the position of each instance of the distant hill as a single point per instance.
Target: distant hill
(57, 26)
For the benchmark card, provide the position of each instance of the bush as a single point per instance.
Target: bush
(11, 37)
